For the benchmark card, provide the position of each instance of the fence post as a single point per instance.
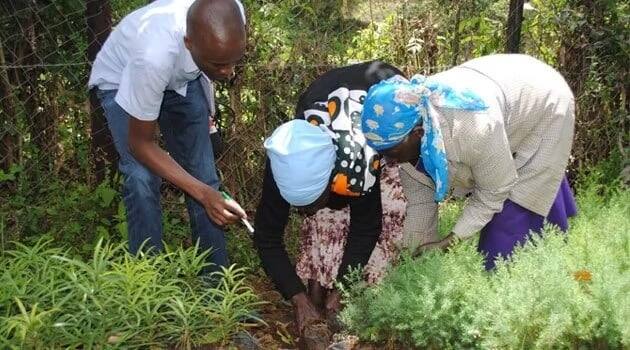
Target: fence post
(98, 15)
(513, 30)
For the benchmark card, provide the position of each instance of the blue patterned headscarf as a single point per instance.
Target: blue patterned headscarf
(395, 106)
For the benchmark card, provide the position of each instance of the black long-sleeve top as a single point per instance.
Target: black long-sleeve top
(365, 211)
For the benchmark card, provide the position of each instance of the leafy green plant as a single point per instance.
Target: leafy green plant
(559, 290)
(53, 299)
(10, 174)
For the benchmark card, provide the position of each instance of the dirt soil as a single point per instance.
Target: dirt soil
(281, 331)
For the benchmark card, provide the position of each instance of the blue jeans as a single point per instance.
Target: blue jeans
(183, 123)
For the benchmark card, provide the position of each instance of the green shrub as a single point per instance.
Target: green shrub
(77, 216)
(53, 300)
(558, 291)
(428, 302)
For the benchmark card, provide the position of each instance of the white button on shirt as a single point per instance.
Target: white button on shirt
(144, 56)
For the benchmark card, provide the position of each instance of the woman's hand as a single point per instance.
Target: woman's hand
(305, 312)
(332, 307)
(442, 244)
(333, 302)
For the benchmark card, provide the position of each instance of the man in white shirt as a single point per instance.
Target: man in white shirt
(149, 71)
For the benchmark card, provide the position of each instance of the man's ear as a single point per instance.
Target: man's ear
(187, 42)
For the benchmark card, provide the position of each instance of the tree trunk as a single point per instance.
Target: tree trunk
(99, 24)
(513, 30)
(29, 83)
(8, 120)
(456, 36)
(47, 89)
(583, 51)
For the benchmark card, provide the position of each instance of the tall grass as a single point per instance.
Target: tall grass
(50, 299)
(558, 291)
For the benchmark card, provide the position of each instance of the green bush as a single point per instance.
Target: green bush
(50, 299)
(77, 215)
(558, 291)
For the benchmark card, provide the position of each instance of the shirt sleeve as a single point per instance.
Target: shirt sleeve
(493, 172)
(143, 83)
(365, 228)
(270, 222)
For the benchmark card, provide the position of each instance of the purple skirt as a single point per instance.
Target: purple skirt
(512, 226)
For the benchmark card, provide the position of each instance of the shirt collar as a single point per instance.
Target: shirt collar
(186, 66)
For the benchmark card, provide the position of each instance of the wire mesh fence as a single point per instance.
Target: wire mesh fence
(51, 128)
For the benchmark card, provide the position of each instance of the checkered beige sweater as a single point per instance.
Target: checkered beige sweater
(517, 149)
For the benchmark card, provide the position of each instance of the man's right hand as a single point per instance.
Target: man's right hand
(305, 312)
(221, 211)
(145, 149)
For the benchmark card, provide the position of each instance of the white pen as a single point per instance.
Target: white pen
(249, 226)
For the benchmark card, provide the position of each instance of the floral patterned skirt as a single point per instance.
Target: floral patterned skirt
(323, 236)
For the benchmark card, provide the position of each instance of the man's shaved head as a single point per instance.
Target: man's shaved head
(216, 36)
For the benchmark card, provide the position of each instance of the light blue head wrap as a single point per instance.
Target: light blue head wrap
(302, 157)
(395, 106)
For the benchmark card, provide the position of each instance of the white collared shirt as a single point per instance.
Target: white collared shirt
(144, 56)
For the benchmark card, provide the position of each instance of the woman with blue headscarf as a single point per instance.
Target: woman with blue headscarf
(498, 128)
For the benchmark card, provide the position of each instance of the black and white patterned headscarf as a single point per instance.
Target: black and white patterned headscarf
(357, 164)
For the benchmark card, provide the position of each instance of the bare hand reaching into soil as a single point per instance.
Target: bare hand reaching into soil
(332, 307)
(333, 302)
(305, 312)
